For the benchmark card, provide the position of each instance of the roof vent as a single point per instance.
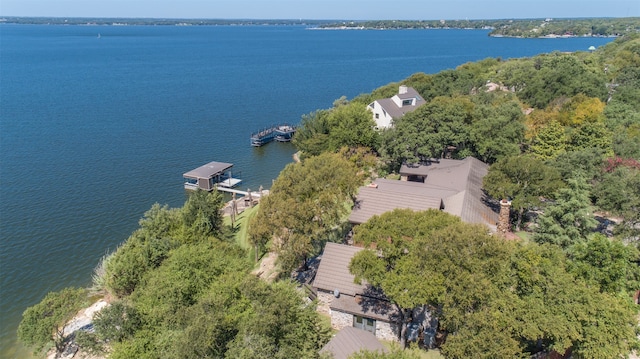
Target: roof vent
(336, 293)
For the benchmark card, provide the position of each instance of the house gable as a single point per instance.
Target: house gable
(386, 110)
(333, 272)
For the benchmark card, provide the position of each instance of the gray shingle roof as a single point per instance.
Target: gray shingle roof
(351, 340)
(394, 110)
(390, 195)
(333, 271)
(209, 170)
(457, 184)
(366, 306)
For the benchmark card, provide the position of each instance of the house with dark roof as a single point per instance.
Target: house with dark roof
(361, 306)
(350, 304)
(349, 341)
(387, 109)
(453, 186)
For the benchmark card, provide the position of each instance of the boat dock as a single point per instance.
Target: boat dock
(210, 176)
(280, 133)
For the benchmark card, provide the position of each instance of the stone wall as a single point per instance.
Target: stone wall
(339, 320)
(324, 302)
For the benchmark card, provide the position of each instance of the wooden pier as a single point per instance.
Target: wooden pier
(249, 193)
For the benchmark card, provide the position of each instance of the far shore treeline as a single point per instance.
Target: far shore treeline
(527, 28)
(561, 133)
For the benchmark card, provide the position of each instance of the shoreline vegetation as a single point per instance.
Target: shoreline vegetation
(184, 284)
(518, 28)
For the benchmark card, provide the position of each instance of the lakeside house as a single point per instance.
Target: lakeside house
(387, 109)
(453, 186)
(361, 306)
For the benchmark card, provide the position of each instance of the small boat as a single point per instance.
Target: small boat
(280, 133)
(284, 133)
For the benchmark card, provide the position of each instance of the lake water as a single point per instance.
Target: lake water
(97, 123)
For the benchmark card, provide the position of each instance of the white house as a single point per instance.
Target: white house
(385, 110)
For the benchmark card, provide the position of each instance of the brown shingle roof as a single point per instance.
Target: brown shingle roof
(333, 271)
(351, 340)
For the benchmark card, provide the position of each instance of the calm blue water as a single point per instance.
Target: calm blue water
(94, 130)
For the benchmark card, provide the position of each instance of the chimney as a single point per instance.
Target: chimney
(403, 90)
(503, 217)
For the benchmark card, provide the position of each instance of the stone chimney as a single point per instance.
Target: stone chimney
(503, 218)
(403, 89)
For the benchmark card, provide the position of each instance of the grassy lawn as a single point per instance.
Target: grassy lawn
(241, 226)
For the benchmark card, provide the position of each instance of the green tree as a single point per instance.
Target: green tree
(497, 130)
(569, 220)
(45, 322)
(117, 322)
(202, 215)
(182, 278)
(559, 311)
(391, 267)
(352, 126)
(550, 142)
(307, 201)
(591, 135)
(618, 191)
(523, 180)
(608, 263)
(312, 136)
(587, 163)
(427, 131)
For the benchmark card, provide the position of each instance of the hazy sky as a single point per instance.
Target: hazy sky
(324, 9)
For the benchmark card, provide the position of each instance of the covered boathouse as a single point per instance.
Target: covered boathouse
(208, 176)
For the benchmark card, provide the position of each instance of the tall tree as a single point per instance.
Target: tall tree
(392, 267)
(427, 131)
(569, 220)
(523, 180)
(202, 215)
(308, 200)
(550, 142)
(312, 136)
(497, 130)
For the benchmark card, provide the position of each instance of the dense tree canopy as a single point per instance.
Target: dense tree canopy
(309, 200)
(494, 298)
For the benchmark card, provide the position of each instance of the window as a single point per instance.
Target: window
(363, 323)
(408, 102)
(377, 115)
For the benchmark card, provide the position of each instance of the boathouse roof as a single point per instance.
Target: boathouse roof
(209, 170)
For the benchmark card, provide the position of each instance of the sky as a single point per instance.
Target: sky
(324, 9)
